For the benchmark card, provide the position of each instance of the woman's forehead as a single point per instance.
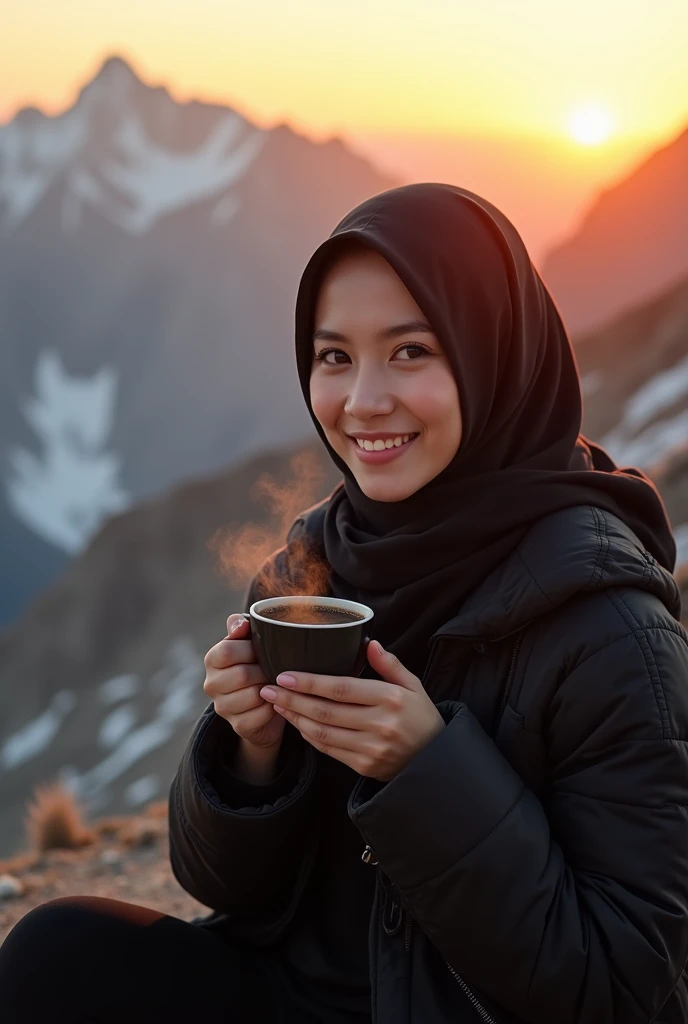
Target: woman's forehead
(361, 277)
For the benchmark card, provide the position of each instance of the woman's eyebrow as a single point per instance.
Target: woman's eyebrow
(408, 327)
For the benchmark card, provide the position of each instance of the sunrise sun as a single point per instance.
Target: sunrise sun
(590, 125)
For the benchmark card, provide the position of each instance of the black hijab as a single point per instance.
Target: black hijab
(521, 456)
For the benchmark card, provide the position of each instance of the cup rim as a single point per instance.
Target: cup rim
(327, 602)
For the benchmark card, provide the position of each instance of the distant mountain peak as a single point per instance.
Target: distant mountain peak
(115, 67)
(114, 86)
(127, 150)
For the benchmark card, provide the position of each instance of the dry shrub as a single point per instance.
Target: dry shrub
(54, 820)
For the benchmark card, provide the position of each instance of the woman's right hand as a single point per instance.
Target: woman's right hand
(234, 679)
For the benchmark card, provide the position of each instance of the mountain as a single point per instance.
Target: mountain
(634, 374)
(150, 252)
(101, 677)
(631, 245)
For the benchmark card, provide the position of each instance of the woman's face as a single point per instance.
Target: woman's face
(379, 374)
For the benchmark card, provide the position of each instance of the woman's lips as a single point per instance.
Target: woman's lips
(385, 455)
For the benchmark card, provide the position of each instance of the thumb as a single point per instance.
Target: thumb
(234, 624)
(390, 668)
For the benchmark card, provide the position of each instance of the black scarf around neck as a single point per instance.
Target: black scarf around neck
(521, 455)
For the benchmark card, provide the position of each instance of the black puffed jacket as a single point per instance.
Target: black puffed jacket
(532, 859)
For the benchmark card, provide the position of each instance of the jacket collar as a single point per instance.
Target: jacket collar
(576, 550)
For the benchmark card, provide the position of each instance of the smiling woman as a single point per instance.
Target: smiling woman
(502, 789)
(385, 395)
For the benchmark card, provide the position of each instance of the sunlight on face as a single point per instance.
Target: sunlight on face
(378, 370)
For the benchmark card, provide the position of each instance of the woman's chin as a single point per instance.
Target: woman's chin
(386, 490)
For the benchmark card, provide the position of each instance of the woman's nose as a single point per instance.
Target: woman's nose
(368, 397)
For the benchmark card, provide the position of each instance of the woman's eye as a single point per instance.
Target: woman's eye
(320, 357)
(420, 349)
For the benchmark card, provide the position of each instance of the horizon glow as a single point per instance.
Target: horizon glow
(500, 69)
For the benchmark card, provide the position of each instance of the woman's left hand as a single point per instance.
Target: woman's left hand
(374, 726)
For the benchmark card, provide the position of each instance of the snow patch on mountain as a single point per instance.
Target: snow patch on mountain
(116, 725)
(142, 791)
(178, 683)
(33, 151)
(652, 445)
(629, 443)
(681, 538)
(36, 736)
(119, 688)
(660, 392)
(67, 491)
(155, 181)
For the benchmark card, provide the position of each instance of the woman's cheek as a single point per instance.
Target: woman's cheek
(325, 403)
(436, 404)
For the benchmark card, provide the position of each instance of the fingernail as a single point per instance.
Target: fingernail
(286, 680)
(379, 647)
(269, 692)
(235, 626)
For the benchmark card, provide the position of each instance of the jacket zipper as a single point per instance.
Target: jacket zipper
(369, 857)
(407, 933)
(475, 1003)
(472, 998)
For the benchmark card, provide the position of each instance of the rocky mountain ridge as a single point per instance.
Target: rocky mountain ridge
(631, 246)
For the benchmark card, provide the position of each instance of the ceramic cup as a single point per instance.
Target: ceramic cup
(333, 649)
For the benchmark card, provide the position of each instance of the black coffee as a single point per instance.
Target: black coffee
(311, 614)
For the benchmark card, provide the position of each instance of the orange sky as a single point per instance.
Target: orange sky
(510, 72)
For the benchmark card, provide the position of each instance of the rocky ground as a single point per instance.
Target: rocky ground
(127, 860)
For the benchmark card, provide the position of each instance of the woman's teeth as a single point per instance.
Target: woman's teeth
(379, 445)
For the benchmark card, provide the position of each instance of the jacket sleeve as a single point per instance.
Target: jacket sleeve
(238, 848)
(243, 850)
(577, 913)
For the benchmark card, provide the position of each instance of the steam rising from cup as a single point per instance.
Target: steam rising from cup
(258, 549)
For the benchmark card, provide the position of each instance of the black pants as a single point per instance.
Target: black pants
(87, 960)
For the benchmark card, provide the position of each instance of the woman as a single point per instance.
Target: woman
(490, 824)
